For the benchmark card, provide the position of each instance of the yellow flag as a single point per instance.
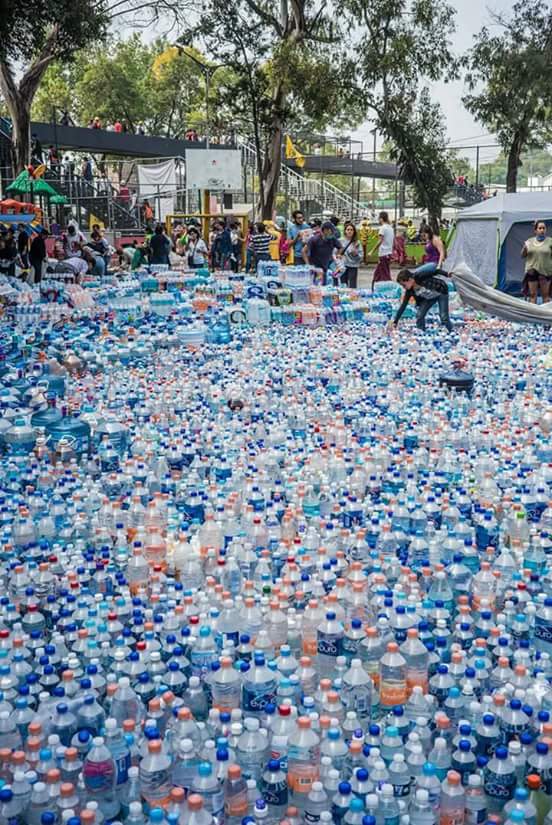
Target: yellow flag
(92, 220)
(292, 153)
(39, 171)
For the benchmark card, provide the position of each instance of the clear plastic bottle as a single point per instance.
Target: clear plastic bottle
(100, 777)
(303, 761)
(155, 776)
(251, 749)
(499, 780)
(357, 689)
(330, 634)
(235, 796)
(452, 809)
(393, 688)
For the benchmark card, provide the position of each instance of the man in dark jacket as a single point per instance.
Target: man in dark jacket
(38, 254)
(427, 285)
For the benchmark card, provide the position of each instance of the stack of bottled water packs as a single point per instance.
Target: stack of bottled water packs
(273, 575)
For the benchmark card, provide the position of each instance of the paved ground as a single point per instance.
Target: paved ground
(365, 275)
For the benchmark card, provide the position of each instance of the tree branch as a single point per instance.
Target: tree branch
(31, 79)
(266, 16)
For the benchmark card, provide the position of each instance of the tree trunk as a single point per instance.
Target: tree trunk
(514, 162)
(21, 133)
(272, 162)
(272, 165)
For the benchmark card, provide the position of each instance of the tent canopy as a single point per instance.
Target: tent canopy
(490, 235)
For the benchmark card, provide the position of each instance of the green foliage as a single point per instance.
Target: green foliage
(153, 85)
(460, 165)
(535, 163)
(398, 51)
(61, 26)
(420, 149)
(508, 75)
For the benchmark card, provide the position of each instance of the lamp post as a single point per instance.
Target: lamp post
(208, 71)
(374, 133)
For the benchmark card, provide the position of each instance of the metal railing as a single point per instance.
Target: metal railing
(301, 190)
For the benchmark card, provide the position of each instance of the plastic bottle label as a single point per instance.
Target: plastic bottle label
(455, 817)
(500, 788)
(122, 763)
(257, 700)
(391, 695)
(236, 806)
(475, 817)
(275, 794)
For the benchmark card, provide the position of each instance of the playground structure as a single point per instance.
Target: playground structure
(113, 200)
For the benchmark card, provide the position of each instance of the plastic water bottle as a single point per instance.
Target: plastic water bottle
(100, 778)
(235, 796)
(392, 678)
(303, 761)
(452, 808)
(274, 789)
(329, 644)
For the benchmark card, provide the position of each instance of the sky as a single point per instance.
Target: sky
(471, 16)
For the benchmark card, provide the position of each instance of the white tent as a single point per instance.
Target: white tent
(490, 235)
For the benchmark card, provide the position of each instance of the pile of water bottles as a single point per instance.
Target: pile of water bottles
(275, 575)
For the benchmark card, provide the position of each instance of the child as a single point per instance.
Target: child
(284, 245)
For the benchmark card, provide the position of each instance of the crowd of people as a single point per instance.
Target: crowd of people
(24, 251)
(335, 249)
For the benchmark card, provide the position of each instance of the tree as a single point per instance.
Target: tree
(46, 30)
(420, 150)
(153, 85)
(513, 69)
(397, 51)
(285, 67)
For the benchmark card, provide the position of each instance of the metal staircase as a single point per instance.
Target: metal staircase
(302, 190)
(95, 200)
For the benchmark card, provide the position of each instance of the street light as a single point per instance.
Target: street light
(374, 133)
(208, 72)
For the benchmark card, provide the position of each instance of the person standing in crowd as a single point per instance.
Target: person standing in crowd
(68, 169)
(411, 232)
(386, 236)
(284, 245)
(197, 254)
(321, 248)
(160, 247)
(261, 243)
(23, 243)
(8, 254)
(351, 255)
(249, 251)
(86, 170)
(236, 237)
(434, 249)
(296, 229)
(222, 246)
(38, 254)
(537, 252)
(364, 235)
(53, 159)
(428, 287)
(37, 155)
(334, 220)
(73, 241)
(148, 214)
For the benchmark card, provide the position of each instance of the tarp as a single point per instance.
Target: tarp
(490, 235)
(476, 294)
(475, 243)
(157, 184)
